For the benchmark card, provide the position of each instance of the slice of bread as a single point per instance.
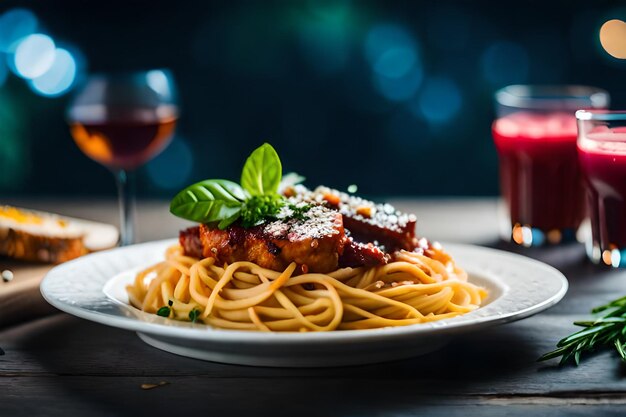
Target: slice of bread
(45, 237)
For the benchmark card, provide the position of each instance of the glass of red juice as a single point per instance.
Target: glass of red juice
(540, 181)
(602, 156)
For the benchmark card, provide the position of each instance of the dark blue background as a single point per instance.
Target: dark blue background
(297, 74)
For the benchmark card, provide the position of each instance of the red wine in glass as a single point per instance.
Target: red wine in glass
(122, 121)
(123, 138)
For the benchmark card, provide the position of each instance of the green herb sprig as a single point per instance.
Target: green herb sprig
(605, 332)
(165, 311)
(299, 211)
(223, 202)
(260, 207)
(194, 315)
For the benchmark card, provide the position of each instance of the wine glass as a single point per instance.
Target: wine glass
(122, 121)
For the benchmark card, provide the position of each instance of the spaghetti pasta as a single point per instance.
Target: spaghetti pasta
(414, 288)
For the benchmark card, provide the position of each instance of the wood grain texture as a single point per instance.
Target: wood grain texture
(501, 360)
(64, 366)
(102, 396)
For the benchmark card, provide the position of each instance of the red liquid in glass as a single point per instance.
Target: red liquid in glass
(602, 157)
(123, 138)
(539, 173)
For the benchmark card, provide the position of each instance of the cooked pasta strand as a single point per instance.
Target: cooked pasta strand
(244, 296)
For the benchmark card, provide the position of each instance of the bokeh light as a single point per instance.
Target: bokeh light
(399, 89)
(613, 38)
(79, 59)
(384, 37)
(16, 24)
(438, 101)
(172, 168)
(394, 57)
(158, 81)
(59, 78)
(34, 55)
(395, 62)
(505, 63)
(49, 70)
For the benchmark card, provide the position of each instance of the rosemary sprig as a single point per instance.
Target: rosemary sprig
(608, 330)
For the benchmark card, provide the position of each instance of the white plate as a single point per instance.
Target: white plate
(92, 287)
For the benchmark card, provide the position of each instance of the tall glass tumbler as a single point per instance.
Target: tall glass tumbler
(602, 155)
(540, 181)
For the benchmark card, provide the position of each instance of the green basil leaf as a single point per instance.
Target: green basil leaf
(262, 171)
(209, 201)
(229, 220)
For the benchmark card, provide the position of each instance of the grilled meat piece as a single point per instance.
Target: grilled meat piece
(190, 241)
(316, 240)
(380, 224)
(337, 230)
(357, 254)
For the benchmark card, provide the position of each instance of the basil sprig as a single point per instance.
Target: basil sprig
(209, 201)
(223, 202)
(262, 171)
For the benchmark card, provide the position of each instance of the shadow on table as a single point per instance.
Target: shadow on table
(102, 369)
(589, 285)
(568, 258)
(561, 256)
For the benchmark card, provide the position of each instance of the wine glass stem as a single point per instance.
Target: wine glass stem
(126, 193)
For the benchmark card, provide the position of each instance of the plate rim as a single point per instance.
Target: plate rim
(164, 328)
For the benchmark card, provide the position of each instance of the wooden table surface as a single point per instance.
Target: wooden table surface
(63, 366)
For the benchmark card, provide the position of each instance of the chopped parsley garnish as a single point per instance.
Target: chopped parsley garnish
(258, 208)
(299, 211)
(164, 311)
(194, 314)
